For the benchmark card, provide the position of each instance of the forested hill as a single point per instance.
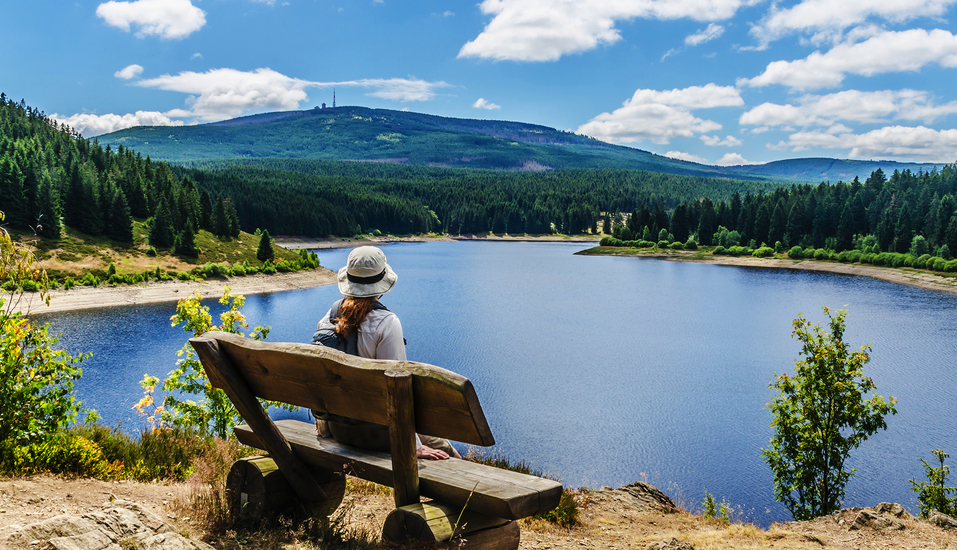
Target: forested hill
(359, 133)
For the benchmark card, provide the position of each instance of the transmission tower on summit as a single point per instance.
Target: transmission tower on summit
(333, 98)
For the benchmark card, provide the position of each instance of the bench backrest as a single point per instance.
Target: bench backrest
(329, 380)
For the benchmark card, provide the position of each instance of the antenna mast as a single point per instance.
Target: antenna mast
(333, 98)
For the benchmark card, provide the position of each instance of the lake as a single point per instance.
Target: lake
(602, 370)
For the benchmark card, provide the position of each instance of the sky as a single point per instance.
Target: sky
(713, 81)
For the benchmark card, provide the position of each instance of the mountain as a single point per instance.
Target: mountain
(382, 135)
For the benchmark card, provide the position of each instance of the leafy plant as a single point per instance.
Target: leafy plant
(213, 412)
(933, 494)
(820, 414)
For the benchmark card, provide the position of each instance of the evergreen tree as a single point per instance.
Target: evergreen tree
(778, 223)
(265, 251)
(706, 223)
(49, 225)
(161, 231)
(11, 190)
(119, 226)
(845, 230)
(762, 222)
(185, 242)
(206, 211)
(232, 218)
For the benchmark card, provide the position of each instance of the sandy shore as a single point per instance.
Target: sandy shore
(924, 279)
(296, 243)
(170, 291)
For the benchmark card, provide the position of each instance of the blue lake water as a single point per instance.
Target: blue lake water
(604, 371)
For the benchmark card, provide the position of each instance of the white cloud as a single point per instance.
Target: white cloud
(681, 155)
(164, 18)
(448, 13)
(733, 159)
(850, 105)
(886, 52)
(93, 125)
(917, 143)
(225, 93)
(715, 141)
(396, 89)
(545, 30)
(128, 72)
(827, 19)
(196, 55)
(713, 31)
(658, 116)
(482, 104)
(267, 2)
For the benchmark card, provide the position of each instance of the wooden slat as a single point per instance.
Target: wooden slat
(252, 412)
(405, 467)
(497, 492)
(325, 379)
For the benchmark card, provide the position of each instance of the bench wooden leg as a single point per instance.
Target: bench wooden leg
(255, 486)
(433, 522)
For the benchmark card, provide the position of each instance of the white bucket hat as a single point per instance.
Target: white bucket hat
(366, 274)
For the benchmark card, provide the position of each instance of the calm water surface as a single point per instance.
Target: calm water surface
(604, 371)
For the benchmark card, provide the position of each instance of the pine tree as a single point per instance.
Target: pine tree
(161, 232)
(185, 242)
(11, 191)
(265, 251)
(49, 225)
(119, 226)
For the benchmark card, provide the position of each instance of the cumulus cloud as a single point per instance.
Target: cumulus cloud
(396, 89)
(733, 159)
(827, 19)
(128, 72)
(93, 125)
(850, 105)
(658, 116)
(482, 104)
(681, 155)
(545, 30)
(886, 52)
(917, 143)
(225, 93)
(168, 19)
(715, 141)
(713, 31)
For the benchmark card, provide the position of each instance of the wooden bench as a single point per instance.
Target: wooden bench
(406, 396)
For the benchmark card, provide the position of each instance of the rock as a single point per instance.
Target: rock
(942, 520)
(672, 544)
(112, 528)
(892, 509)
(639, 495)
(869, 519)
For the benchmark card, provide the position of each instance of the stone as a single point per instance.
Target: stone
(673, 544)
(942, 520)
(117, 522)
(892, 509)
(869, 519)
(639, 496)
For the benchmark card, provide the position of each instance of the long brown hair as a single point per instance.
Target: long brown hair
(351, 312)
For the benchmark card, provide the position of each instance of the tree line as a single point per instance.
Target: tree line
(881, 214)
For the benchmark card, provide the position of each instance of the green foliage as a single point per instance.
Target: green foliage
(934, 494)
(763, 252)
(820, 414)
(796, 252)
(211, 412)
(161, 453)
(62, 453)
(265, 251)
(713, 510)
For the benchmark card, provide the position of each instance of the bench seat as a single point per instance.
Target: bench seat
(496, 492)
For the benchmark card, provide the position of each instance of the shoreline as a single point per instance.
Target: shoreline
(84, 297)
(297, 243)
(906, 276)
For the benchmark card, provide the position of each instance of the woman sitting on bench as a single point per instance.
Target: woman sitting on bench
(366, 328)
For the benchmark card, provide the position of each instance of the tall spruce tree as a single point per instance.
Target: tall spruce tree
(265, 251)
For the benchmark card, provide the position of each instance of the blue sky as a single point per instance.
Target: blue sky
(713, 81)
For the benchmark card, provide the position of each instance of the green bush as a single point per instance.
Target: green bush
(796, 252)
(286, 267)
(268, 268)
(218, 270)
(939, 264)
(151, 252)
(663, 243)
(719, 250)
(763, 252)
(610, 241)
(691, 244)
(63, 453)
(30, 285)
(68, 283)
(868, 258)
(89, 280)
(238, 271)
(922, 260)
(184, 276)
(950, 266)
(677, 246)
(934, 494)
(821, 254)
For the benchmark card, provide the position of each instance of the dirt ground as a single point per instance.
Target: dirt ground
(610, 519)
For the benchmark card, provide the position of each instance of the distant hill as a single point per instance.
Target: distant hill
(402, 137)
(381, 135)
